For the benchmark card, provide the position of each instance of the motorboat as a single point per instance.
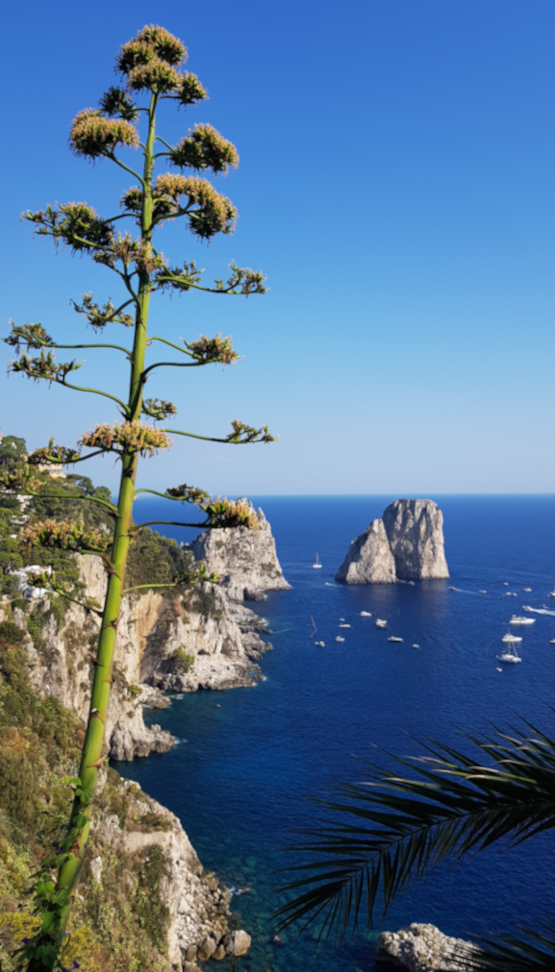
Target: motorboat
(394, 638)
(516, 619)
(365, 614)
(380, 623)
(527, 590)
(339, 638)
(482, 592)
(511, 639)
(321, 644)
(451, 588)
(317, 565)
(416, 646)
(344, 625)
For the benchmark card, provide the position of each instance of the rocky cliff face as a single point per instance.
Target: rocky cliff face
(415, 532)
(180, 643)
(407, 544)
(144, 832)
(369, 559)
(245, 560)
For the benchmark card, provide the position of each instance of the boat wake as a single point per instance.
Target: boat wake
(540, 611)
(462, 590)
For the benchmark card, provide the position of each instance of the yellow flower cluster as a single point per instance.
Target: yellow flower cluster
(226, 513)
(204, 148)
(66, 535)
(128, 437)
(20, 481)
(217, 349)
(93, 135)
(188, 494)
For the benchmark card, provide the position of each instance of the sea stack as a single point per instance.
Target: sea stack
(406, 544)
(369, 560)
(245, 560)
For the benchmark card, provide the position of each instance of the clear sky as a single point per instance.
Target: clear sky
(396, 185)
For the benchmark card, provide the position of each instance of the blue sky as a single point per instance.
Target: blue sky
(396, 185)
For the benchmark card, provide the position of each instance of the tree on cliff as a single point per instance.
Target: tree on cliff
(380, 834)
(151, 66)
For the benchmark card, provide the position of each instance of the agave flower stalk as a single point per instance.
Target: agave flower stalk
(152, 63)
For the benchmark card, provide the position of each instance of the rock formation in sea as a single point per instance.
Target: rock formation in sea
(406, 544)
(415, 532)
(369, 559)
(245, 560)
(423, 948)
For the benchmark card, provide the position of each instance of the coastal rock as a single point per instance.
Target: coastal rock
(415, 532)
(407, 544)
(245, 560)
(423, 948)
(199, 639)
(197, 904)
(369, 559)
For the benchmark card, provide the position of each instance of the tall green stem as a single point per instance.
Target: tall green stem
(92, 759)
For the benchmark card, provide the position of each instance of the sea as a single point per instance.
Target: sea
(249, 762)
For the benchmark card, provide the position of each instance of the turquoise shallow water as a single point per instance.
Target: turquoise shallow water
(249, 759)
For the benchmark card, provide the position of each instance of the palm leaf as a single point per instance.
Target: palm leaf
(533, 953)
(377, 835)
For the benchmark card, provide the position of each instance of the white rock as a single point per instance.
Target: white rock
(407, 544)
(415, 532)
(245, 560)
(423, 948)
(369, 559)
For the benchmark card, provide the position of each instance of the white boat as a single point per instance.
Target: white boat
(393, 638)
(321, 644)
(365, 614)
(518, 620)
(505, 583)
(416, 646)
(344, 626)
(339, 638)
(482, 592)
(380, 623)
(317, 565)
(511, 639)
(552, 642)
(510, 656)
(528, 590)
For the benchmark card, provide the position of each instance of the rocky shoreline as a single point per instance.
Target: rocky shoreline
(204, 638)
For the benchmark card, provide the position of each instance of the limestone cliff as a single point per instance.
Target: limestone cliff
(245, 560)
(181, 643)
(369, 559)
(407, 544)
(415, 532)
(144, 832)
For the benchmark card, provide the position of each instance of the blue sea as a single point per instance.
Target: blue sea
(249, 760)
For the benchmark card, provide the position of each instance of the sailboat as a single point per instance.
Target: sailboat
(510, 655)
(317, 565)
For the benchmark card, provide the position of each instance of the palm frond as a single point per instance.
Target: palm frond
(379, 834)
(535, 952)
